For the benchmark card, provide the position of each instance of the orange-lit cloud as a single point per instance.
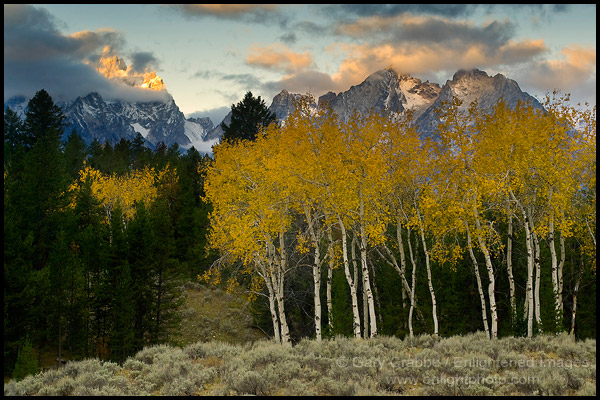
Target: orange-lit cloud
(574, 72)
(278, 57)
(113, 67)
(226, 9)
(246, 12)
(419, 59)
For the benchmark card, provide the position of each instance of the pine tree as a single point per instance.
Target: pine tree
(13, 128)
(75, 153)
(248, 117)
(27, 363)
(42, 118)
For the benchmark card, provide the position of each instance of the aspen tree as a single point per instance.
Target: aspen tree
(249, 220)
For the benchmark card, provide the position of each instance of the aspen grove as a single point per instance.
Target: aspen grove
(367, 192)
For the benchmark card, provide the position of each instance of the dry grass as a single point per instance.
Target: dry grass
(469, 365)
(210, 313)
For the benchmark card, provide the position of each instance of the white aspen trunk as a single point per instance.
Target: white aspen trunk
(365, 272)
(479, 285)
(317, 297)
(355, 311)
(429, 281)
(413, 283)
(490, 270)
(366, 321)
(365, 315)
(536, 290)
(278, 284)
(509, 269)
(402, 260)
(367, 284)
(272, 308)
(276, 327)
(560, 275)
(401, 271)
(316, 273)
(329, 282)
(575, 292)
(375, 291)
(529, 288)
(554, 263)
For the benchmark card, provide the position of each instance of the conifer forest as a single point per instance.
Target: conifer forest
(328, 228)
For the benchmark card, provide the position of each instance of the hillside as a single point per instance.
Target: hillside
(423, 365)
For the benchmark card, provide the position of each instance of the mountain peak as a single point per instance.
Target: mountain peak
(473, 73)
(153, 81)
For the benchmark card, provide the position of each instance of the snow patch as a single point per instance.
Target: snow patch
(194, 132)
(140, 129)
(202, 146)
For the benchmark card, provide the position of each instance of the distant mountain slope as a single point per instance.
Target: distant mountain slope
(385, 90)
(471, 85)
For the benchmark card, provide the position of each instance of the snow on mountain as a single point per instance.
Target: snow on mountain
(383, 91)
(140, 129)
(18, 104)
(471, 85)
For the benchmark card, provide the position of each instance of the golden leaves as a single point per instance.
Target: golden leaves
(127, 190)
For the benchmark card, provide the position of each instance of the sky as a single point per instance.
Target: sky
(209, 56)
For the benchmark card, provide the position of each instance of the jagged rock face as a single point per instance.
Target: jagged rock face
(385, 90)
(284, 104)
(93, 118)
(218, 132)
(196, 129)
(156, 121)
(471, 85)
(96, 118)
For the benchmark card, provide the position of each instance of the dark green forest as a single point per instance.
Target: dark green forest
(80, 286)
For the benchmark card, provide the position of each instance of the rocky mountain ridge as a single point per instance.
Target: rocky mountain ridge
(385, 90)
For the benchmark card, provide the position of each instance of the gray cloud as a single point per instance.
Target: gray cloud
(216, 115)
(143, 61)
(252, 13)
(314, 82)
(349, 11)
(289, 38)
(37, 55)
(427, 30)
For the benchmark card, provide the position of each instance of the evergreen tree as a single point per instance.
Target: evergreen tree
(75, 153)
(27, 363)
(92, 241)
(247, 118)
(140, 154)
(42, 118)
(13, 128)
(140, 258)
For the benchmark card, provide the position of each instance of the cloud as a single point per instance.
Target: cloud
(424, 45)
(451, 10)
(309, 81)
(224, 10)
(253, 13)
(426, 29)
(216, 115)
(446, 10)
(37, 55)
(143, 62)
(428, 58)
(278, 57)
(30, 34)
(574, 72)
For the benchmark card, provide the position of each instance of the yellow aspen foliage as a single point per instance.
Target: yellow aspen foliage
(126, 190)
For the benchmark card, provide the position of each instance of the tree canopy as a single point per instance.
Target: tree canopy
(248, 117)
